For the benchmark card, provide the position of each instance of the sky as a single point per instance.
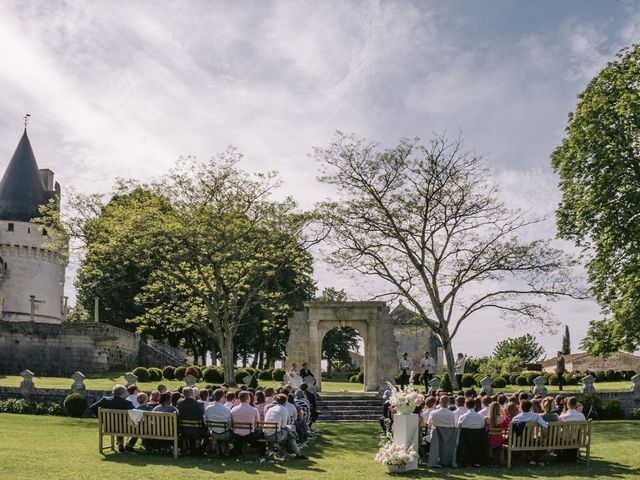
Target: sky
(122, 89)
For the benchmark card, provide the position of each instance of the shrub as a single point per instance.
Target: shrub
(353, 379)
(634, 414)
(251, 370)
(468, 380)
(21, 406)
(591, 403)
(610, 376)
(445, 383)
(195, 371)
(142, 374)
(531, 376)
(612, 410)
(628, 374)
(213, 375)
(513, 378)
(521, 381)
(240, 374)
(155, 374)
(278, 374)
(600, 376)
(169, 372)
(180, 373)
(360, 377)
(618, 376)
(417, 378)
(553, 379)
(499, 383)
(76, 404)
(265, 375)
(506, 377)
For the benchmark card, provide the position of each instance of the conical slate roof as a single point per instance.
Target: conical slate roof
(22, 190)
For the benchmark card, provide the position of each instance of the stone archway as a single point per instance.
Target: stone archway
(370, 319)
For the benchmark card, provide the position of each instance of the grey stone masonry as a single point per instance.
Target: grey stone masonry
(539, 388)
(27, 386)
(636, 386)
(78, 385)
(587, 385)
(485, 386)
(190, 380)
(131, 379)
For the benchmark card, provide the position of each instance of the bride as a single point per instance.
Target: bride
(292, 377)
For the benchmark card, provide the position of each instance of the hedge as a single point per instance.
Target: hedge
(22, 406)
(76, 404)
(155, 374)
(499, 383)
(194, 371)
(142, 374)
(278, 374)
(169, 372)
(265, 375)
(213, 375)
(468, 380)
(180, 373)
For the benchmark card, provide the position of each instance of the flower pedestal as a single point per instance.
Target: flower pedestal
(406, 433)
(399, 468)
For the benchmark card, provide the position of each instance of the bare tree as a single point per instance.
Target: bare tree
(426, 219)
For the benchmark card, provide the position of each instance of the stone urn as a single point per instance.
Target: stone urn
(404, 409)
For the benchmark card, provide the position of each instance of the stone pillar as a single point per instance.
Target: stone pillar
(27, 386)
(371, 378)
(539, 388)
(485, 386)
(434, 383)
(131, 379)
(406, 433)
(78, 385)
(190, 380)
(636, 386)
(315, 353)
(587, 385)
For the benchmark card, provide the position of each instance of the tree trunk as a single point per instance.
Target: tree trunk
(261, 360)
(254, 361)
(195, 356)
(244, 360)
(329, 368)
(214, 354)
(451, 361)
(228, 360)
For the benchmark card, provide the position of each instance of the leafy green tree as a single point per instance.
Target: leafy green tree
(426, 219)
(337, 344)
(566, 341)
(599, 167)
(332, 295)
(525, 347)
(494, 366)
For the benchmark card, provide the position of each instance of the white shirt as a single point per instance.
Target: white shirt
(459, 365)
(229, 405)
(427, 365)
(459, 411)
(133, 398)
(471, 419)
(572, 416)
(293, 412)
(484, 412)
(277, 414)
(443, 417)
(218, 412)
(405, 364)
(530, 417)
(425, 414)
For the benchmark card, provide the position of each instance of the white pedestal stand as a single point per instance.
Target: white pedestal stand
(406, 432)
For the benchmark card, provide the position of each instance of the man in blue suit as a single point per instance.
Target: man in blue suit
(118, 401)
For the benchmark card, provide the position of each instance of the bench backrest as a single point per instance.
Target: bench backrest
(155, 425)
(561, 435)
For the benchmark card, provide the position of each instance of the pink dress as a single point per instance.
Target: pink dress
(496, 441)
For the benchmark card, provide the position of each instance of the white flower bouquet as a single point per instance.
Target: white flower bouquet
(405, 400)
(396, 455)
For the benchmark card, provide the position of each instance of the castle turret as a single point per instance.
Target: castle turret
(31, 272)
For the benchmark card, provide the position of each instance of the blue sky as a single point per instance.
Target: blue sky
(121, 89)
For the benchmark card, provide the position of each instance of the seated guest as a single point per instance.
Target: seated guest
(133, 394)
(311, 397)
(190, 409)
(154, 401)
(496, 425)
(280, 414)
(528, 416)
(536, 406)
(175, 398)
(268, 395)
(502, 400)
(511, 410)
(118, 401)
(142, 402)
(218, 412)
(260, 404)
(473, 447)
(429, 406)
(442, 417)
(165, 404)
(245, 413)
(231, 399)
(559, 405)
(460, 402)
(204, 397)
(548, 406)
(572, 414)
(162, 388)
(486, 401)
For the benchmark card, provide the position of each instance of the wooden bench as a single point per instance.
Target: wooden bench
(152, 426)
(558, 436)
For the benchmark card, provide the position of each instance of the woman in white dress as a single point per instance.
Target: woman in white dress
(292, 377)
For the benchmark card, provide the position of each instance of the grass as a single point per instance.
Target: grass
(66, 448)
(105, 381)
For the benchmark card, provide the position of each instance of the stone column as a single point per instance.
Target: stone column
(587, 385)
(636, 386)
(539, 388)
(78, 385)
(371, 380)
(406, 433)
(131, 379)
(485, 386)
(315, 354)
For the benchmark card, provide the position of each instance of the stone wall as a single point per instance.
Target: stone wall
(61, 349)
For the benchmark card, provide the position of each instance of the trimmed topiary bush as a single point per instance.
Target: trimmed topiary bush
(468, 380)
(195, 371)
(506, 377)
(169, 372)
(600, 376)
(499, 383)
(513, 378)
(618, 376)
(240, 374)
(180, 373)
(142, 374)
(612, 410)
(417, 378)
(76, 404)
(278, 374)
(213, 375)
(531, 376)
(634, 414)
(610, 376)
(521, 381)
(591, 403)
(155, 374)
(553, 379)
(360, 377)
(445, 383)
(353, 379)
(265, 375)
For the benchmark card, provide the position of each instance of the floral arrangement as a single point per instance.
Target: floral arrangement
(396, 455)
(408, 397)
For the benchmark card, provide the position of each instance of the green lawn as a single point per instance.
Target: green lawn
(64, 448)
(105, 381)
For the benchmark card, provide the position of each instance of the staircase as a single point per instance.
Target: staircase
(349, 408)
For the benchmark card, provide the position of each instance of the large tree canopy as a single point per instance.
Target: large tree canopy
(525, 347)
(426, 220)
(599, 167)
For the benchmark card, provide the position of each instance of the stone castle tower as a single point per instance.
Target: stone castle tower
(32, 273)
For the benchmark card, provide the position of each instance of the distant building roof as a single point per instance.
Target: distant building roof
(401, 315)
(587, 358)
(22, 190)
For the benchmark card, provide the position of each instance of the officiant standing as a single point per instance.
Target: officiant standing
(428, 366)
(405, 369)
